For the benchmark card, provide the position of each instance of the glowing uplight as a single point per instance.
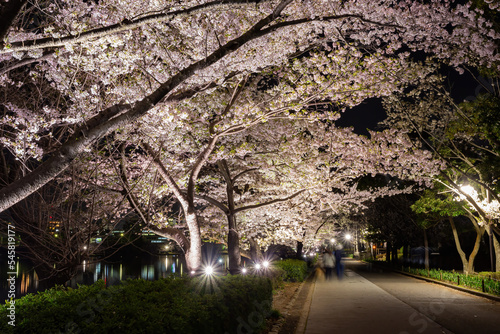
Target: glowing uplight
(265, 264)
(244, 270)
(193, 272)
(348, 236)
(257, 266)
(220, 260)
(332, 240)
(469, 190)
(209, 270)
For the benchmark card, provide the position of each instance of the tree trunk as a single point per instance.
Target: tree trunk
(394, 255)
(193, 253)
(255, 251)
(468, 264)
(496, 249)
(300, 247)
(388, 252)
(233, 246)
(406, 254)
(426, 250)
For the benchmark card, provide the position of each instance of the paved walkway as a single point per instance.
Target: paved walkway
(356, 305)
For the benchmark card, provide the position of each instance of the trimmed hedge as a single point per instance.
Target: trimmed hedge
(482, 283)
(293, 270)
(230, 304)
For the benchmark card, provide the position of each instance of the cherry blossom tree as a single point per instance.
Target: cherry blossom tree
(110, 63)
(316, 163)
(463, 136)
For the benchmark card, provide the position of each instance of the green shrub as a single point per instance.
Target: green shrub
(173, 305)
(293, 270)
(473, 281)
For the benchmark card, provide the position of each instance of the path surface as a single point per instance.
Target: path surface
(367, 301)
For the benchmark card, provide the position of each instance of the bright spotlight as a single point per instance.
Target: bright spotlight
(244, 270)
(348, 236)
(193, 272)
(469, 190)
(257, 266)
(209, 270)
(265, 264)
(332, 240)
(220, 260)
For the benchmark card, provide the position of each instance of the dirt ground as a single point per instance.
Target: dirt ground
(281, 299)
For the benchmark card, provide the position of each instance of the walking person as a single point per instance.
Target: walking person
(329, 263)
(338, 259)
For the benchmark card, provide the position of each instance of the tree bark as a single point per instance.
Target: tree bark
(255, 251)
(193, 254)
(233, 246)
(233, 237)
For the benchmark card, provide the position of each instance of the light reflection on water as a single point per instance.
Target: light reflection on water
(147, 268)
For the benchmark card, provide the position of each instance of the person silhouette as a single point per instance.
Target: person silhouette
(339, 253)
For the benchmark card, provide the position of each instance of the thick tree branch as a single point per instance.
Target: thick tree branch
(126, 25)
(172, 233)
(243, 173)
(26, 61)
(172, 185)
(255, 206)
(214, 202)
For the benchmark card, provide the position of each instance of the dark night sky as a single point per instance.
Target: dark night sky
(363, 117)
(369, 113)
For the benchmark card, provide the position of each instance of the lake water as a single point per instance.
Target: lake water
(145, 267)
